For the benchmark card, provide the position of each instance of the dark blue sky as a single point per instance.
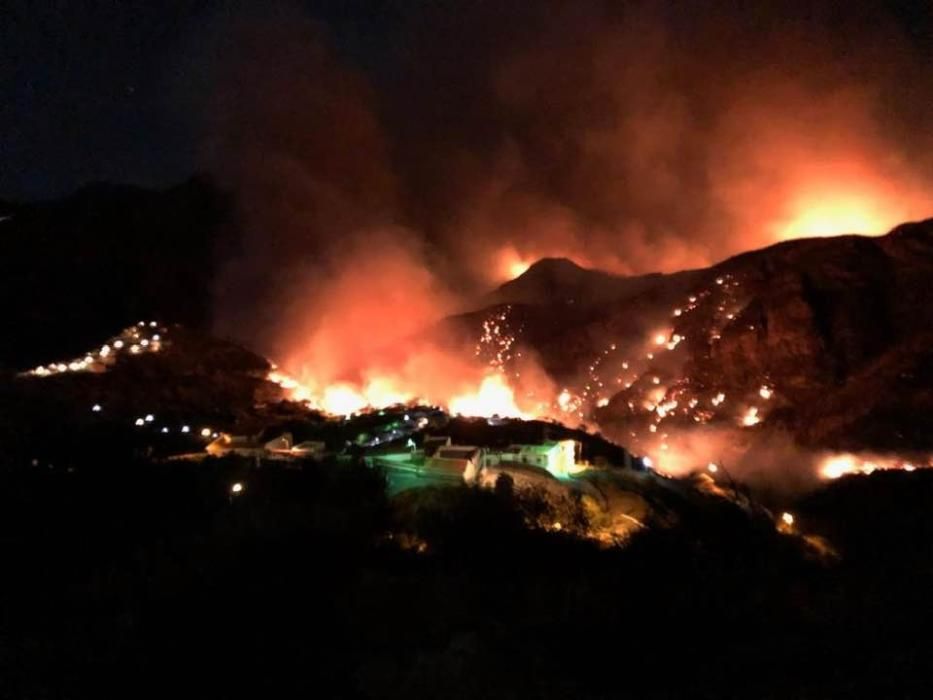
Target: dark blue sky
(110, 89)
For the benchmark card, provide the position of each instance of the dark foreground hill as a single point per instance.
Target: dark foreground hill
(147, 580)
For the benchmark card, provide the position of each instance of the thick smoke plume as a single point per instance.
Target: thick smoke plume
(633, 137)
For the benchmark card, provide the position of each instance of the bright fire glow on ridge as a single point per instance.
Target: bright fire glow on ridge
(847, 200)
(510, 264)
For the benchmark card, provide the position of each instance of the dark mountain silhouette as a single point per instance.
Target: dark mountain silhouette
(74, 270)
(562, 281)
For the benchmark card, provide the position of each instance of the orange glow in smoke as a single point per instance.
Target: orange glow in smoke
(820, 215)
(517, 269)
(843, 197)
(510, 264)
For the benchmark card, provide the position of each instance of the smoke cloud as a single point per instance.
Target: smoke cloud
(633, 137)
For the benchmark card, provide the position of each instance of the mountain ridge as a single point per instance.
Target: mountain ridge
(829, 324)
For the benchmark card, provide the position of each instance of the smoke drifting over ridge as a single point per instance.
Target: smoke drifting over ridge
(632, 137)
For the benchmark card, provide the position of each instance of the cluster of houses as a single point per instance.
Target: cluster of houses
(438, 459)
(411, 456)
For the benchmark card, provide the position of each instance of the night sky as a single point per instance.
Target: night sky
(113, 90)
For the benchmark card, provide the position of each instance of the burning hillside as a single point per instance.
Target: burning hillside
(480, 331)
(812, 353)
(188, 398)
(790, 353)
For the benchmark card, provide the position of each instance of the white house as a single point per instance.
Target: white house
(459, 461)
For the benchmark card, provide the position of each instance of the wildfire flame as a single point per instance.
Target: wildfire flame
(494, 397)
(843, 464)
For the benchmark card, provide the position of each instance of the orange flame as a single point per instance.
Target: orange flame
(494, 397)
(842, 464)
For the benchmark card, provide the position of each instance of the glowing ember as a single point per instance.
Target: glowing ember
(765, 392)
(495, 343)
(787, 518)
(563, 400)
(750, 417)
